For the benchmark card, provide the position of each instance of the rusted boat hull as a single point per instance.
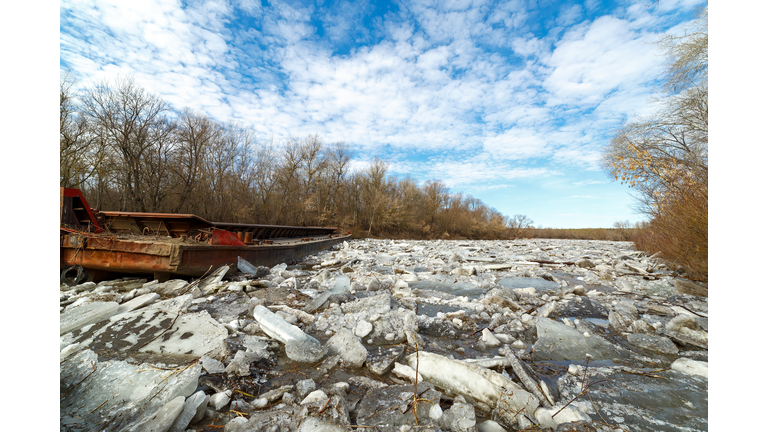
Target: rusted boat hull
(164, 259)
(162, 245)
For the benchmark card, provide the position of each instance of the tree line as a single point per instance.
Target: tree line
(663, 157)
(128, 150)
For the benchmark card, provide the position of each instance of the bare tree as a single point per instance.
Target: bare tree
(265, 181)
(241, 195)
(289, 182)
(338, 156)
(436, 193)
(80, 150)
(195, 136)
(519, 224)
(126, 116)
(313, 162)
(375, 195)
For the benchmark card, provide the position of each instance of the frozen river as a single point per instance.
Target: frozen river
(506, 335)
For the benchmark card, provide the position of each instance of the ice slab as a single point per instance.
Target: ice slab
(490, 426)
(460, 417)
(87, 313)
(349, 347)
(299, 346)
(483, 385)
(567, 415)
(212, 282)
(528, 282)
(340, 285)
(448, 284)
(317, 302)
(161, 329)
(674, 402)
(655, 343)
(692, 367)
(378, 304)
(382, 358)
(163, 419)
(686, 330)
(170, 288)
(386, 406)
(193, 410)
(137, 302)
(559, 342)
(115, 395)
(313, 424)
(498, 266)
(248, 268)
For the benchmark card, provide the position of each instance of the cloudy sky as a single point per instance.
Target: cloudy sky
(509, 101)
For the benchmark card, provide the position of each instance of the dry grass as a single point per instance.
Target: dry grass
(680, 232)
(611, 234)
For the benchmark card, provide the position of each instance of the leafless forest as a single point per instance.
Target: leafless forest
(127, 149)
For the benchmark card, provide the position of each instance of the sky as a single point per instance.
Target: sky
(510, 102)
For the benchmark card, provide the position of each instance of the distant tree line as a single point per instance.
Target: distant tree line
(128, 150)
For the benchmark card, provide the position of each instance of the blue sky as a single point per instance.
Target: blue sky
(510, 101)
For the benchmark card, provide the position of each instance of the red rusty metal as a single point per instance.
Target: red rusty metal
(225, 238)
(76, 205)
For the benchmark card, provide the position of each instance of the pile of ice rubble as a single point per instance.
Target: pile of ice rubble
(527, 334)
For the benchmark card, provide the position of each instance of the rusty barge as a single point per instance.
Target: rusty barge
(97, 245)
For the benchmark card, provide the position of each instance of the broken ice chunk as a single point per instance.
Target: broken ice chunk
(193, 406)
(248, 268)
(212, 366)
(363, 328)
(163, 419)
(340, 285)
(219, 400)
(481, 384)
(567, 415)
(299, 346)
(489, 339)
(137, 302)
(559, 342)
(213, 282)
(406, 372)
(692, 367)
(315, 396)
(349, 347)
(77, 317)
(134, 393)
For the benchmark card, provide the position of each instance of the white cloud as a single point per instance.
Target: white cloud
(677, 5)
(529, 46)
(251, 7)
(469, 172)
(437, 80)
(569, 14)
(518, 143)
(491, 187)
(592, 60)
(591, 4)
(589, 182)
